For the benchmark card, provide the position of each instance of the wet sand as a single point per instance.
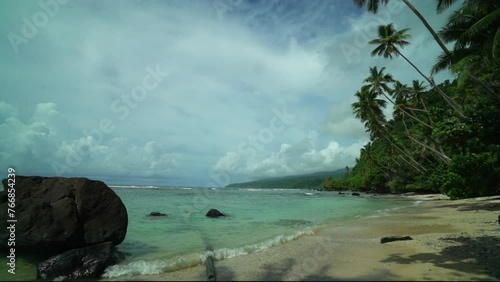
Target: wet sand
(452, 240)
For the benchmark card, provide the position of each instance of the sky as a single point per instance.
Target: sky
(184, 92)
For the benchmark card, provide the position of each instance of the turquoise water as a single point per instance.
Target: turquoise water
(256, 219)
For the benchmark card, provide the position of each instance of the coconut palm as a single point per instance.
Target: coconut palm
(388, 42)
(400, 92)
(379, 82)
(373, 7)
(475, 29)
(369, 109)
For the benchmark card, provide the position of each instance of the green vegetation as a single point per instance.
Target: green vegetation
(305, 181)
(442, 139)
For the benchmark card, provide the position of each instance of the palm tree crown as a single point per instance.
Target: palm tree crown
(388, 40)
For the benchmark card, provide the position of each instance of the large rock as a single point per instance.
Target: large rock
(214, 213)
(56, 214)
(82, 263)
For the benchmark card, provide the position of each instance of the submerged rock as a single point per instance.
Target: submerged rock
(388, 239)
(214, 213)
(56, 214)
(355, 194)
(157, 214)
(82, 263)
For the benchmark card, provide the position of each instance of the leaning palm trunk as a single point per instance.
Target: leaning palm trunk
(417, 165)
(448, 99)
(439, 153)
(429, 28)
(405, 112)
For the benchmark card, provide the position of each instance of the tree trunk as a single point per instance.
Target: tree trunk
(209, 263)
(429, 28)
(448, 99)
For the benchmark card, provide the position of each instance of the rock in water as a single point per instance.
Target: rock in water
(355, 194)
(157, 214)
(56, 214)
(388, 239)
(214, 213)
(82, 263)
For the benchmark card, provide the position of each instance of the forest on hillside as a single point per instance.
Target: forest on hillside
(441, 137)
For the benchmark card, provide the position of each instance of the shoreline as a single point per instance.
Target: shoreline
(452, 240)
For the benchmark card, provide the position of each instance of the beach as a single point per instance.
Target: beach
(452, 240)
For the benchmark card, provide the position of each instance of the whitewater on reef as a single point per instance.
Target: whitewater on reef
(256, 219)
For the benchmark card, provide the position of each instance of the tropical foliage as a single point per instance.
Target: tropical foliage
(441, 138)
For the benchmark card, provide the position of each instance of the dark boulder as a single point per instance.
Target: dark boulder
(388, 239)
(214, 213)
(56, 214)
(355, 194)
(341, 193)
(156, 214)
(83, 263)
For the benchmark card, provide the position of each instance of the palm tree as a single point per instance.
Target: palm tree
(378, 82)
(417, 91)
(388, 42)
(370, 155)
(447, 56)
(368, 109)
(475, 29)
(401, 93)
(373, 7)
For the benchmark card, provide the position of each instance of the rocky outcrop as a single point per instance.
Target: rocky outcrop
(214, 213)
(388, 239)
(56, 214)
(83, 263)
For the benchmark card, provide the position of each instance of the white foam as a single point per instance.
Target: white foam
(134, 186)
(225, 253)
(137, 267)
(142, 267)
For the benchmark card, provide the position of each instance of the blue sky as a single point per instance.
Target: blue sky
(201, 93)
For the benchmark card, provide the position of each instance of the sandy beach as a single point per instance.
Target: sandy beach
(452, 240)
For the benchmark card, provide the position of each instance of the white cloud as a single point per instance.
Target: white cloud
(227, 74)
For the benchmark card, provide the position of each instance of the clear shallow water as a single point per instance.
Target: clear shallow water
(256, 219)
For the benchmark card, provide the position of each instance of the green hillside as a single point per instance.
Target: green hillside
(309, 181)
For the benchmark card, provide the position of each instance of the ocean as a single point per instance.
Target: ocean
(256, 219)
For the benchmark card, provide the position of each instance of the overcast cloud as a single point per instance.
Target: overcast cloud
(191, 92)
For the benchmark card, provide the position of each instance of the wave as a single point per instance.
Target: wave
(250, 189)
(143, 267)
(135, 186)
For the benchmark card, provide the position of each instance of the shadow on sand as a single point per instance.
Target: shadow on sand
(479, 255)
(483, 252)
